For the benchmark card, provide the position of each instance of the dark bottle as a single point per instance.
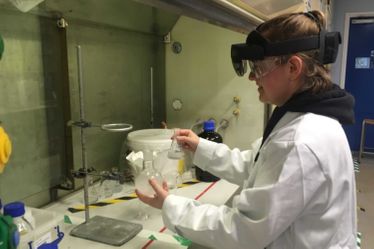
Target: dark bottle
(211, 135)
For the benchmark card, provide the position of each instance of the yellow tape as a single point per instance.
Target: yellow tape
(128, 197)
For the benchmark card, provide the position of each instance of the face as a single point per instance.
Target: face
(272, 80)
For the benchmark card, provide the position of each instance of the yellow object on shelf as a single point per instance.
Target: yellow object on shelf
(5, 149)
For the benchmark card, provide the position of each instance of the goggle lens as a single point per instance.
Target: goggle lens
(264, 67)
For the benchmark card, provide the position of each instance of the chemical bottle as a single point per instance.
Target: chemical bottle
(17, 210)
(9, 235)
(148, 172)
(209, 134)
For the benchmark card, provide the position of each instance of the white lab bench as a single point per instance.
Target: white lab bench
(217, 194)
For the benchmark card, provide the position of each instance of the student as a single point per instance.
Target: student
(297, 184)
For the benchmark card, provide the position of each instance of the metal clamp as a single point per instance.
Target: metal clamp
(81, 124)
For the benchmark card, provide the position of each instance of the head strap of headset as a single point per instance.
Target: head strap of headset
(258, 47)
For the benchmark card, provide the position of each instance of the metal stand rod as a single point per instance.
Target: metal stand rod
(113, 237)
(152, 104)
(83, 139)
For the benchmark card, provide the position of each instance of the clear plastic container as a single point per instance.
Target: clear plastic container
(17, 211)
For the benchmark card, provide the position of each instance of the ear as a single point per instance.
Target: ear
(295, 67)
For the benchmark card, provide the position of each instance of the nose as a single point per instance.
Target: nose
(251, 76)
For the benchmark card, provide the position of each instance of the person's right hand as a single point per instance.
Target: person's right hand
(187, 139)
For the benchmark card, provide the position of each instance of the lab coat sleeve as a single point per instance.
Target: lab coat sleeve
(231, 165)
(260, 213)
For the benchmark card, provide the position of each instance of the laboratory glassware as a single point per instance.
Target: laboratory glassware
(175, 151)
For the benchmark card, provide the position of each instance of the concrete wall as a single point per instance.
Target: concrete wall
(203, 78)
(29, 105)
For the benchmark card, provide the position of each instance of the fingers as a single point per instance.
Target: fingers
(188, 142)
(165, 186)
(185, 142)
(144, 198)
(184, 132)
(157, 200)
(187, 138)
(157, 188)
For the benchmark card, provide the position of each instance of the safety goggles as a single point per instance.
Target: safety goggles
(262, 68)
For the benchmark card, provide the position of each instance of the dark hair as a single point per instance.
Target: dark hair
(294, 25)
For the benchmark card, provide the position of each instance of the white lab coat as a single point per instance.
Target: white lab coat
(299, 195)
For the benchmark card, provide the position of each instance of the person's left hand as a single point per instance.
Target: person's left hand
(157, 200)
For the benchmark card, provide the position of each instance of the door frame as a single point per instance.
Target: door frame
(348, 16)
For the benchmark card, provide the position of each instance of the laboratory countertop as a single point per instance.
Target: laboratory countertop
(125, 206)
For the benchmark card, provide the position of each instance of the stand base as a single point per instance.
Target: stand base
(107, 230)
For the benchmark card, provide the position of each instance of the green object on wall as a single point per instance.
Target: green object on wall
(1, 47)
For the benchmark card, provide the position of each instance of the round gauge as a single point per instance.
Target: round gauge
(177, 104)
(176, 47)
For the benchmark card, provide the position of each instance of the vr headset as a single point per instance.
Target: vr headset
(258, 47)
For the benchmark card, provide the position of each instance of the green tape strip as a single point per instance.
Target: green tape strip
(152, 237)
(182, 241)
(67, 220)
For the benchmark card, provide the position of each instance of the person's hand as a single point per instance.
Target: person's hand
(157, 200)
(188, 139)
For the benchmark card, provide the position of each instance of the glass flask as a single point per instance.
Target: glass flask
(106, 188)
(93, 196)
(148, 172)
(175, 151)
(117, 186)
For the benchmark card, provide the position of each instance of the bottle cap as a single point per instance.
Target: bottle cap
(14, 209)
(209, 125)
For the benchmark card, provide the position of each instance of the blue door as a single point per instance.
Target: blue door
(359, 79)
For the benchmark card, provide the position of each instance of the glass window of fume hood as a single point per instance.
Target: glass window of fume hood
(120, 41)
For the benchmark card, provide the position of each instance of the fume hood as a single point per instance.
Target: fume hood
(270, 8)
(238, 15)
